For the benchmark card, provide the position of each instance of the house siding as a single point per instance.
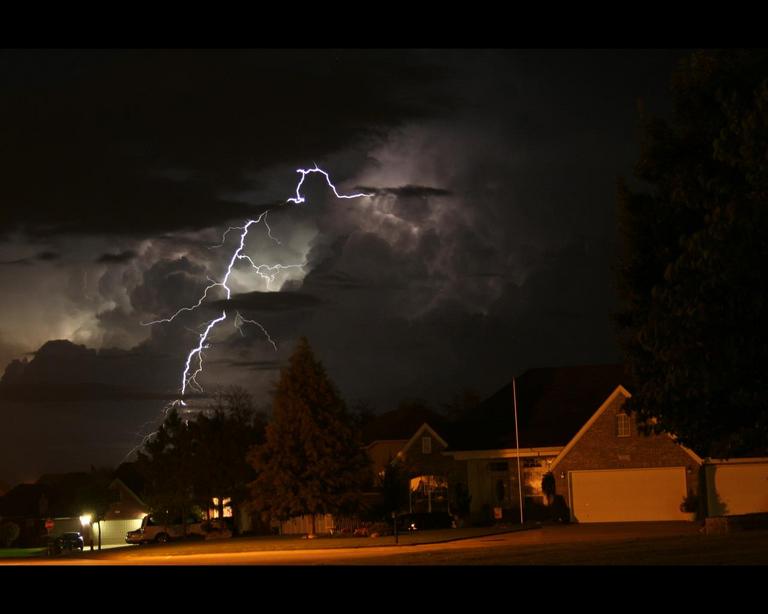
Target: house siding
(415, 462)
(483, 475)
(601, 448)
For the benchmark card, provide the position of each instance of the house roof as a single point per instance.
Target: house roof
(129, 475)
(55, 495)
(552, 405)
(27, 501)
(424, 429)
(402, 423)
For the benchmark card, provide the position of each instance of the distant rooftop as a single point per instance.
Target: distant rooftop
(402, 423)
(552, 405)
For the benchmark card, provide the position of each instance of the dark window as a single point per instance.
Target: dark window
(532, 462)
(622, 425)
(426, 445)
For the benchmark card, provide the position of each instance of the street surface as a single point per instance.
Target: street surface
(624, 543)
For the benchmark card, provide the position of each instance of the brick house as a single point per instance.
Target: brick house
(572, 423)
(611, 472)
(414, 439)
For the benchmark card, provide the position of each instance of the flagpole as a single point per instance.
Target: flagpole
(517, 445)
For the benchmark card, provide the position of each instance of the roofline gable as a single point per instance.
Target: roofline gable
(416, 435)
(588, 424)
(619, 390)
(376, 441)
(129, 490)
(535, 452)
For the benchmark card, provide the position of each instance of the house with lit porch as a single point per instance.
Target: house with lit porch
(571, 422)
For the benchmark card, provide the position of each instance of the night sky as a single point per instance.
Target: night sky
(488, 248)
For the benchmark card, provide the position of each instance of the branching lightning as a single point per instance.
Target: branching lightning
(193, 365)
(304, 172)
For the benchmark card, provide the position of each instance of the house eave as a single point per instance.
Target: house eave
(504, 453)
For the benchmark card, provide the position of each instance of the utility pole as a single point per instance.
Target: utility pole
(517, 445)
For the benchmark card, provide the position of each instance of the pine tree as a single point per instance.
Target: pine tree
(312, 461)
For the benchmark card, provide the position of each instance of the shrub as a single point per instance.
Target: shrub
(690, 503)
(9, 533)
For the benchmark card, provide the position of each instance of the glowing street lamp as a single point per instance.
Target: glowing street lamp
(85, 521)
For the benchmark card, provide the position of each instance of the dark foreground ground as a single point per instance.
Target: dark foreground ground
(596, 544)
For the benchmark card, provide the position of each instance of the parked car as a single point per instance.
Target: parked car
(425, 521)
(152, 530)
(65, 543)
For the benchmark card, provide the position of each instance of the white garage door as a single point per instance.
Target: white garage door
(621, 495)
(737, 487)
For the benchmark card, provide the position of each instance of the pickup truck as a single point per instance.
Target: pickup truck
(160, 532)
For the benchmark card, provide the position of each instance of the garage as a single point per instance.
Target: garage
(737, 486)
(623, 495)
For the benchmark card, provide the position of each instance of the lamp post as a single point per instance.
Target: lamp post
(85, 521)
(394, 522)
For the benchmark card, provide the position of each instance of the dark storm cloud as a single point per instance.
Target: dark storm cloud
(73, 372)
(168, 285)
(119, 258)
(255, 365)
(412, 191)
(268, 301)
(145, 142)
(560, 315)
(493, 255)
(18, 262)
(337, 280)
(46, 256)
(80, 392)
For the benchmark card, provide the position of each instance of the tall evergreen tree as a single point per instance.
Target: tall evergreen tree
(312, 461)
(693, 275)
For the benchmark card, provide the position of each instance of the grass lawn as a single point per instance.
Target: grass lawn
(15, 553)
(293, 542)
(748, 548)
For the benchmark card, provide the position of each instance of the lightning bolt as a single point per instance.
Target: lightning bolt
(304, 172)
(193, 365)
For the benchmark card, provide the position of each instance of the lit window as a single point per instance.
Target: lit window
(426, 445)
(622, 424)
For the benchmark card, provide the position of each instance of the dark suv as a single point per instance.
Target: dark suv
(424, 521)
(66, 543)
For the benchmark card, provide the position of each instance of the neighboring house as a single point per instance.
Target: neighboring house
(28, 505)
(64, 498)
(432, 474)
(125, 514)
(413, 437)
